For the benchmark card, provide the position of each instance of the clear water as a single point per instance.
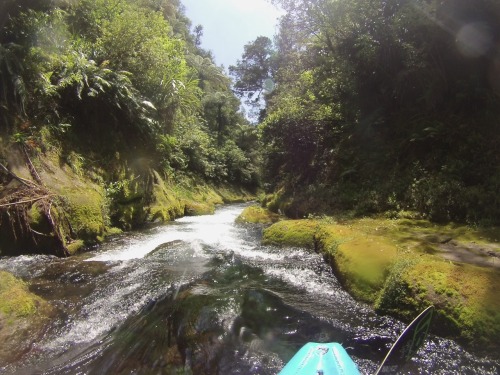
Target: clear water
(202, 296)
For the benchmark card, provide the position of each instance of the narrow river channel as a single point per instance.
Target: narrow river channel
(202, 296)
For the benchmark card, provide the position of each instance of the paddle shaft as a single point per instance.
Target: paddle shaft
(407, 343)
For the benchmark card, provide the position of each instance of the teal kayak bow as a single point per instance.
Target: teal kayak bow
(332, 359)
(321, 359)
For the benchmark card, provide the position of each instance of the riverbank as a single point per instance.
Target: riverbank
(400, 266)
(55, 204)
(61, 204)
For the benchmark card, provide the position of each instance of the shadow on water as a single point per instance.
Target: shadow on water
(202, 296)
(221, 324)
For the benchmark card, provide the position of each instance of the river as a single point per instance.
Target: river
(202, 296)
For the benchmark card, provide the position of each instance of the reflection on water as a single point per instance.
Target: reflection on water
(201, 296)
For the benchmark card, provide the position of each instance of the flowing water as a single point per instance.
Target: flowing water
(202, 296)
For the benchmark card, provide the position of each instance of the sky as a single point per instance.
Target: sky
(230, 24)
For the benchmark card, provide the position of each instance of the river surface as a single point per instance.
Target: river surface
(202, 296)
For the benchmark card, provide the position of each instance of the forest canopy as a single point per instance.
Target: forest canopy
(383, 106)
(365, 106)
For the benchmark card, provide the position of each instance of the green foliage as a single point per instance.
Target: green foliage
(211, 77)
(13, 92)
(370, 95)
(252, 71)
(125, 78)
(395, 290)
(138, 40)
(170, 154)
(254, 68)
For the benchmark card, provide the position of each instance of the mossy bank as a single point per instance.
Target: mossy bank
(74, 206)
(400, 266)
(258, 215)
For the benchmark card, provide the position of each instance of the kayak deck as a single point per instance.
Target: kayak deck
(320, 359)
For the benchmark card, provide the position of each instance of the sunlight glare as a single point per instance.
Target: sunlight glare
(475, 39)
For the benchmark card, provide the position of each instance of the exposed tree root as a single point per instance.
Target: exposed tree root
(31, 220)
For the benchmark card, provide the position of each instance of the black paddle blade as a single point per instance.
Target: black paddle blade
(407, 343)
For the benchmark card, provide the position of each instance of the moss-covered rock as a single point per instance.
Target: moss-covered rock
(465, 296)
(299, 233)
(23, 316)
(15, 299)
(75, 246)
(82, 205)
(361, 260)
(257, 215)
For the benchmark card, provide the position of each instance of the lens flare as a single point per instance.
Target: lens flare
(475, 39)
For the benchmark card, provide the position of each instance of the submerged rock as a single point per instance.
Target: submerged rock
(23, 318)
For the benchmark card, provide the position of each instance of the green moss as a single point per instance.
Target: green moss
(300, 233)
(387, 263)
(231, 194)
(199, 198)
(366, 261)
(361, 259)
(395, 298)
(23, 316)
(85, 212)
(165, 205)
(37, 220)
(198, 208)
(132, 189)
(15, 299)
(168, 200)
(192, 191)
(257, 214)
(113, 231)
(189, 197)
(126, 215)
(465, 295)
(274, 202)
(75, 246)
